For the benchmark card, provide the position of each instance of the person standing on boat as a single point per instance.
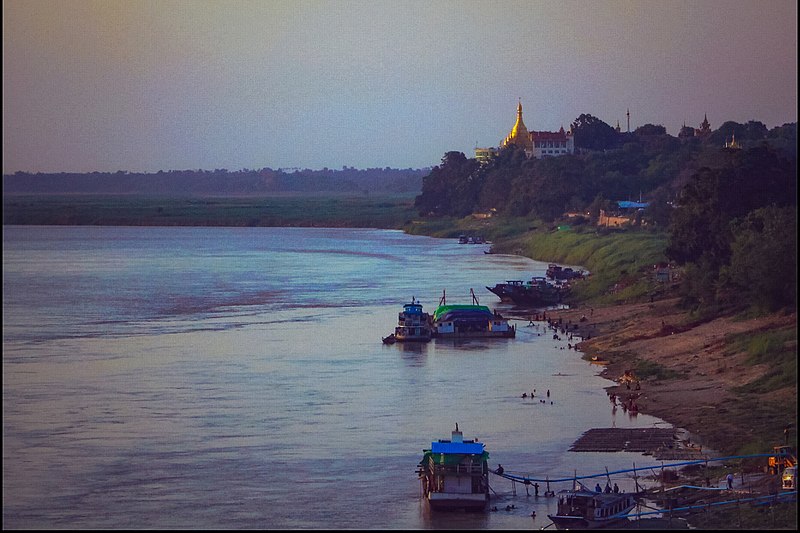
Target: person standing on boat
(616, 488)
(729, 479)
(597, 488)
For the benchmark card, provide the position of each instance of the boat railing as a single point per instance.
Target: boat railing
(465, 469)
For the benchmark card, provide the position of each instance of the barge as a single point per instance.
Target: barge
(469, 321)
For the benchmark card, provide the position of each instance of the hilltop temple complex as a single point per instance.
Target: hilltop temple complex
(536, 144)
(540, 144)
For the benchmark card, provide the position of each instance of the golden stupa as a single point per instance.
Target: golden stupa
(519, 133)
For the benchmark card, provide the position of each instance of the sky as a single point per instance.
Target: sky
(149, 85)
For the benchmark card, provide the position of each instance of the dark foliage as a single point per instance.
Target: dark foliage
(593, 134)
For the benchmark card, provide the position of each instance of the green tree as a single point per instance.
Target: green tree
(763, 267)
(444, 190)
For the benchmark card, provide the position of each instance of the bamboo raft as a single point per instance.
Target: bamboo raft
(662, 443)
(625, 440)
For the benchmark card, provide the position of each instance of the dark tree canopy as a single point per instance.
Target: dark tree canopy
(651, 129)
(592, 133)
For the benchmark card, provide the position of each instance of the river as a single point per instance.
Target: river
(228, 378)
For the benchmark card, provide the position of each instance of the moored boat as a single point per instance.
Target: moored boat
(586, 509)
(557, 272)
(455, 473)
(469, 321)
(538, 291)
(413, 324)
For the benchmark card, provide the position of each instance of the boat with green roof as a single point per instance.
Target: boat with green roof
(469, 321)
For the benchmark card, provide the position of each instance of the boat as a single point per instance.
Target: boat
(555, 272)
(413, 324)
(389, 339)
(469, 321)
(454, 473)
(538, 291)
(505, 290)
(587, 509)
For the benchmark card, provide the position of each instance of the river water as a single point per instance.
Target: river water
(235, 378)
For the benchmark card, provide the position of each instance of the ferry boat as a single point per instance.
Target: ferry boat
(469, 321)
(413, 324)
(586, 509)
(455, 473)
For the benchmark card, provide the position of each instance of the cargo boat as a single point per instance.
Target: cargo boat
(469, 321)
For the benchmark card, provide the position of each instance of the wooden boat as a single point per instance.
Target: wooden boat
(413, 324)
(538, 291)
(586, 509)
(389, 339)
(455, 473)
(564, 273)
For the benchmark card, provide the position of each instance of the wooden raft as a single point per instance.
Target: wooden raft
(625, 440)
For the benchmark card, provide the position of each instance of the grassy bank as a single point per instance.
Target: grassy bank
(621, 262)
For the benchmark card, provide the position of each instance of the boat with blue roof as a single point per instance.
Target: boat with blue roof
(413, 324)
(454, 473)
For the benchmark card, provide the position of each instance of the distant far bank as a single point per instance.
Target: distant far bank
(219, 182)
(385, 211)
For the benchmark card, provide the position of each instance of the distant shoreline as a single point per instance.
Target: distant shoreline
(388, 211)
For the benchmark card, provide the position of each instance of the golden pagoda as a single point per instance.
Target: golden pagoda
(519, 134)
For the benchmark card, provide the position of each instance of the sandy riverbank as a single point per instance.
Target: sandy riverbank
(701, 369)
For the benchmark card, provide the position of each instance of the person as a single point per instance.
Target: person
(616, 488)
(597, 488)
(536, 489)
(548, 393)
(608, 488)
(729, 478)
(499, 468)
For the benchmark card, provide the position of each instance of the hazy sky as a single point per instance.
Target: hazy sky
(144, 85)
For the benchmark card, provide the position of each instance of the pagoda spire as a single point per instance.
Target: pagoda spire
(519, 133)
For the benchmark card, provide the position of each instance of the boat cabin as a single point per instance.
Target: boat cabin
(455, 473)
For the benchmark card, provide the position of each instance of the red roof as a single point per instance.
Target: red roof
(548, 136)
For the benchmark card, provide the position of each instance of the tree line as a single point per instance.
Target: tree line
(730, 214)
(218, 182)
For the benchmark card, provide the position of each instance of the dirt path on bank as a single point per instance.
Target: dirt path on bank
(695, 391)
